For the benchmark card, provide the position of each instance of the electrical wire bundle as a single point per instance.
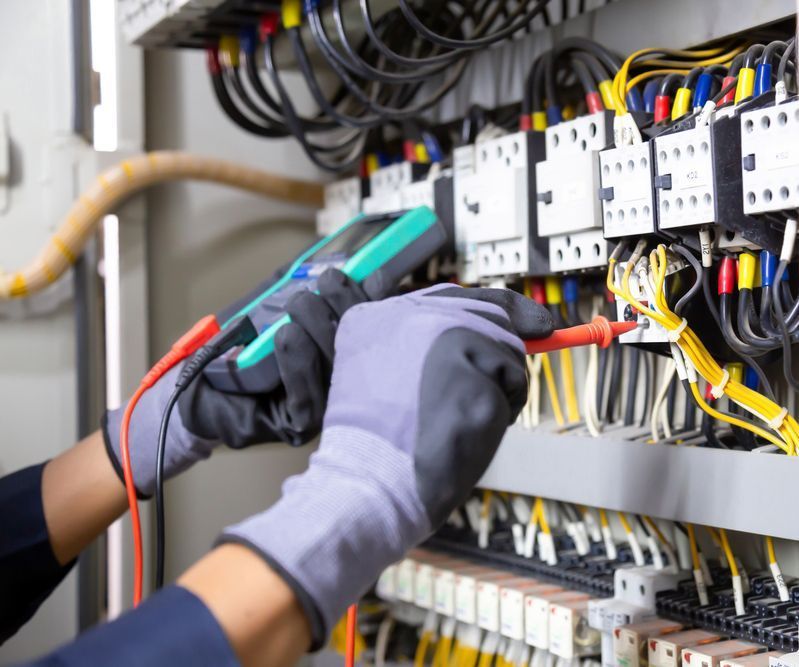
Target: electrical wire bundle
(407, 61)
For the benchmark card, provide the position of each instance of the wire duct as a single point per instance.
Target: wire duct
(127, 178)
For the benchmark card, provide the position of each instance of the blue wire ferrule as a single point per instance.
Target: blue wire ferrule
(762, 79)
(768, 267)
(248, 40)
(704, 84)
(570, 287)
(433, 147)
(554, 115)
(383, 160)
(750, 378)
(634, 101)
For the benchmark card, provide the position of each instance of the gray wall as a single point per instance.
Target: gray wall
(207, 246)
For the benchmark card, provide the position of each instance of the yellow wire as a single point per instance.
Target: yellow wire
(725, 544)
(485, 660)
(624, 523)
(542, 516)
(552, 389)
(603, 518)
(454, 656)
(699, 58)
(421, 649)
(729, 419)
(632, 83)
(567, 375)
(535, 513)
(772, 554)
(486, 506)
(698, 355)
(657, 531)
(694, 549)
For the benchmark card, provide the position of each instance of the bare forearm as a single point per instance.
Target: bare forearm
(82, 495)
(256, 609)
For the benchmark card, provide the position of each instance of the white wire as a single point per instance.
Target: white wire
(381, 642)
(660, 404)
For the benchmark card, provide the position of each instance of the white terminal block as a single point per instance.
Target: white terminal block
(386, 587)
(567, 184)
(648, 331)
(638, 586)
(626, 177)
(416, 194)
(342, 203)
(686, 194)
(386, 186)
(770, 154)
(406, 573)
(787, 660)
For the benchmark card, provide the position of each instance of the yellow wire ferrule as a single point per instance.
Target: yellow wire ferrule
(682, 103)
(747, 268)
(291, 13)
(746, 84)
(553, 290)
(736, 371)
(539, 121)
(422, 156)
(229, 50)
(606, 91)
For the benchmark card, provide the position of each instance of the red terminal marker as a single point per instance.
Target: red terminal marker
(599, 331)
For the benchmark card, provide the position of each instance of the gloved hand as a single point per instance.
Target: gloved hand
(424, 386)
(207, 417)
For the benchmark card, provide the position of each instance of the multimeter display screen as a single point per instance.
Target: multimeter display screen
(352, 239)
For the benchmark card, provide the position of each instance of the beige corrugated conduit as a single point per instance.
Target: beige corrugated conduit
(127, 178)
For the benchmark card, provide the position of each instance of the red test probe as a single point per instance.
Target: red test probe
(599, 331)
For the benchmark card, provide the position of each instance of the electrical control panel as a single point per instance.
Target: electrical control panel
(387, 188)
(770, 158)
(626, 179)
(684, 179)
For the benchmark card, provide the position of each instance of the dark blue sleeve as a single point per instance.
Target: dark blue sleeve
(29, 570)
(173, 627)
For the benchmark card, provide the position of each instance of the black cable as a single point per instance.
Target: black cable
(632, 386)
(744, 321)
(784, 59)
(647, 388)
(787, 366)
(697, 267)
(239, 332)
(689, 413)
(475, 42)
(671, 400)
(615, 379)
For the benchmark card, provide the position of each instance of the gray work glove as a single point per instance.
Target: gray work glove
(424, 386)
(205, 417)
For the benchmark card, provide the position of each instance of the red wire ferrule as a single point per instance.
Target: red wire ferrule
(662, 107)
(729, 97)
(268, 25)
(525, 122)
(538, 291)
(593, 101)
(212, 58)
(728, 274)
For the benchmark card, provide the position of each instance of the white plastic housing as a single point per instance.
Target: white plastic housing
(342, 204)
(648, 331)
(463, 184)
(639, 585)
(770, 151)
(628, 171)
(579, 250)
(686, 158)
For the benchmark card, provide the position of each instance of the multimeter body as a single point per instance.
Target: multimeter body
(374, 250)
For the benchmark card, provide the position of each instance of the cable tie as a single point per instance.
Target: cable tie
(717, 391)
(779, 419)
(675, 334)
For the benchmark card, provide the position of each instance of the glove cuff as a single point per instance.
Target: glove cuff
(338, 525)
(111, 449)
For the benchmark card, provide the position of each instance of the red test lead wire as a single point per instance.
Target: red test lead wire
(186, 345)
(352, 621)
(599, 331)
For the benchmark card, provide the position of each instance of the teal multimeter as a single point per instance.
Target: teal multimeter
(373, 250)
